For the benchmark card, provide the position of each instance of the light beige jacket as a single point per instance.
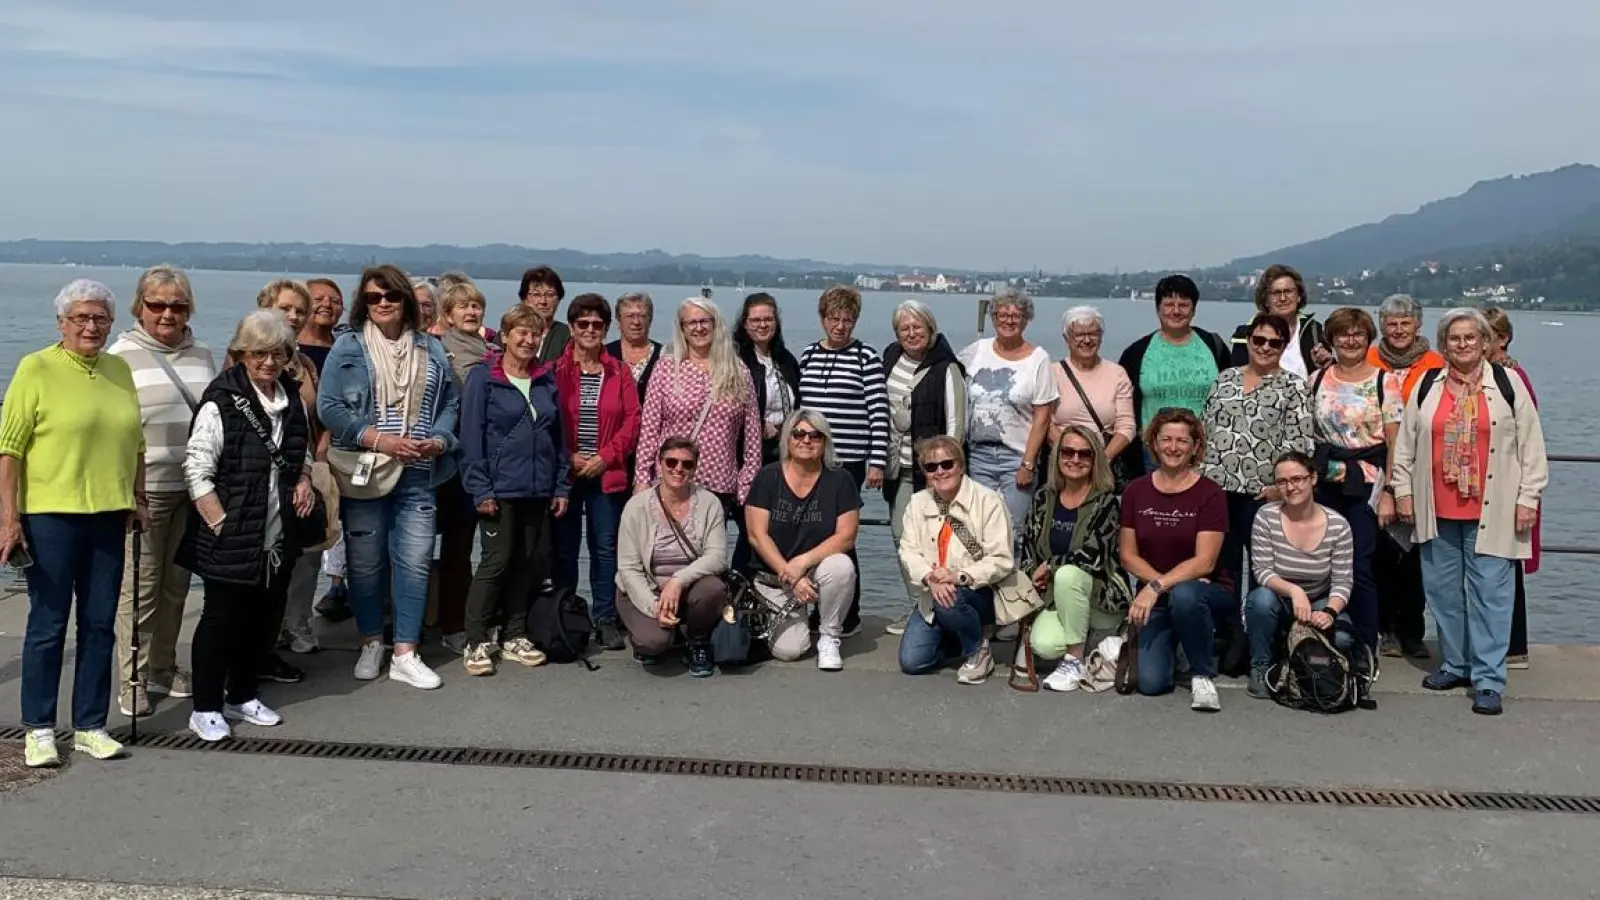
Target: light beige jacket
(1518, 470)
(985, 515)
(636, 540)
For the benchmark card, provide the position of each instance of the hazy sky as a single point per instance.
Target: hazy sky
(1044, 133)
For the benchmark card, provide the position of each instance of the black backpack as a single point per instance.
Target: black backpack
(1502, 381)
(1313, 676)
(558, 624)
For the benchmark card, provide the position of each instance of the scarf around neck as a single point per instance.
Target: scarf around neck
(1460, 455)
(399, 373)
(1395, 361)
(464, 350)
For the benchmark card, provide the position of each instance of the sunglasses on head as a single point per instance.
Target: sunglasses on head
(1075, 453)
(375, 298)
(938, 465)
(1270, 343)
(806, 435)
(676, 462)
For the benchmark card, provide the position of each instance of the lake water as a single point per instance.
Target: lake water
(1564, 599)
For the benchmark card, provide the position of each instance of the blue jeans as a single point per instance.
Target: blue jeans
(397, 529)
(920, 646)
(1188, 614)
(1268, 615)
(603, 514)
(75, 557)
(995, 466)
(1471, 596)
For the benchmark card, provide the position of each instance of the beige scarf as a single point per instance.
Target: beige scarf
(400, 373)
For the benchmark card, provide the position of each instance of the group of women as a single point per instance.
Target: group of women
(1303, 466)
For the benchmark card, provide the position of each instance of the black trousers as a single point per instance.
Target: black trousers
(514, 563)
(228, 651)
(1519, 617)
(1401, 600)
(739, 561)
(1235, 558)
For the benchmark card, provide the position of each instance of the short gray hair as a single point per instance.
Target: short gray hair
(1015, 298)
(918, 310)
(1476, 317)
(636, 297)
(816, 420)
(1399, 306)
(1082, 315)
(262, 331)
(83, 290)
(160, 276)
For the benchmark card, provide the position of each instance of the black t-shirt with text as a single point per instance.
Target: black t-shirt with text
(798, 524)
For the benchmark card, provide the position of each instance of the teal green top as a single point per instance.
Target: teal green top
(1175, 375)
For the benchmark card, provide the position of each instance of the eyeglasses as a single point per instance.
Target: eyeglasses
(1262, 342)
(544, 294)
(1070, 453)
(678, 462)
(377, 298)
(765, 320)
(1008, 318)
(1284, 292)
(1352, 337)
(1292, 481)
(806, 436)
(695, 324)
(277, 356)
(158, 307)
(938, 465)
(839, 321)
(1462, 340)
(1084, 336)
(589, 325)
(87, 319)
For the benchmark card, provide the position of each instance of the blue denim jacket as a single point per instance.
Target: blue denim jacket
(345, 406)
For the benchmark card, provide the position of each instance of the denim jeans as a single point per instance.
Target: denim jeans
(1187, 615)
(75, 558)
(1471, 596)
(599, 514)
(920, 651)
(1268, 615)
(397, 529)
(995, 466)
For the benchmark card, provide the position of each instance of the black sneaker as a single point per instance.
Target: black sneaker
(606, 635)
(700, 665)
(335, 604)
(644, 659)
(281, 672)
(1413, 648)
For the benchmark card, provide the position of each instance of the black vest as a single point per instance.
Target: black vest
(928, 415)
(237, 555)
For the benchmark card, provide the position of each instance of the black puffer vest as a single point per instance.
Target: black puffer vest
(238, 555)
(928, 415)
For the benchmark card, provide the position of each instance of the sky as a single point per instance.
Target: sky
(1007, 134)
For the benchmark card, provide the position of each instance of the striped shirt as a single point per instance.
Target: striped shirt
(902, 378)
(589, 412)
(847, 387)
(1323, 573)
(165, 412)
(389, 417)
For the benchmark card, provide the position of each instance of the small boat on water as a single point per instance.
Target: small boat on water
(1552, 322)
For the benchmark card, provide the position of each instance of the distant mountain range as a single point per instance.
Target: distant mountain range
(1556, 207)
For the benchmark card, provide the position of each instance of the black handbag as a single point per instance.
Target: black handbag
(730, 640)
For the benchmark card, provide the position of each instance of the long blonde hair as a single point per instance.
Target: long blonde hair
(1100, 479)
(728, 374)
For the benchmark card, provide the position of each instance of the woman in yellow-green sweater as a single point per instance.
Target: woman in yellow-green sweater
(71, 483)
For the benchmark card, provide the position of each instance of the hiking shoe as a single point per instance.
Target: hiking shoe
(176, 684)
(1487, 703)
(1258, 683)
(1414, 648)
(281, 672)
(898, 626)
(1444, 681)
(253, 711)
(523, 651)
(606, 635)
(477, 660)
(455, 642)
(978, 667)
(209, 726)
(700, 663)
(96, 743)
(828, 656)
(40, 752)
(134, 701)
(1389, 645)
(370, 661)
(335, 604)
(408, 668)
(1067, 676)
(1520, 661)
(1203, 693)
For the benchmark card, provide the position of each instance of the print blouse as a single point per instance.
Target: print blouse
(673, 400)
(1246, 432)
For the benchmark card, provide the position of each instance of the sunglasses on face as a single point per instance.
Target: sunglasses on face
(588, 325)
(678, 462)
(158, 307)
(938, 465)
(805, 436)
(1262, 342)
(1073, 453)
(376, 298)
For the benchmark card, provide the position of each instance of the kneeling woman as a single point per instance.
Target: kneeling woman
(1173, 523)
(1304, 558)
(1069, 550)
(249, 473)
(672, 549)
(955, 549)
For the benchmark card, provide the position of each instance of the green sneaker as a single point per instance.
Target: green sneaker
(96, 743)
(40, 751)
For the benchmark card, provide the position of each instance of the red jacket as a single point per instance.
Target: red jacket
(619, 416)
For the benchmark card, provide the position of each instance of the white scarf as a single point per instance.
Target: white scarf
(399, 373)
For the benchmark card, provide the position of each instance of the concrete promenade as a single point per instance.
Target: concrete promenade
(187, 824)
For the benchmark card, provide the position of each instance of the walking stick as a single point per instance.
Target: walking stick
(137, 682)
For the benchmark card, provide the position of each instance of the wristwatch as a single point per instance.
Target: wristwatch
(963, 579)
(1028, 466)
(1155, 584)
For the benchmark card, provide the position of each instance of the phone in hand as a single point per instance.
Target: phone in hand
(20, 558)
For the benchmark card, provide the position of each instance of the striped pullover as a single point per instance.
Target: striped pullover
(1327, 571)
(165, 413)
(847, 386)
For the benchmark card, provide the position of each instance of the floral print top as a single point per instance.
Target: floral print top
(1246, 432)
(1349, 414)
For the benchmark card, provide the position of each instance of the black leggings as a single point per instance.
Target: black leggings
(228, 641)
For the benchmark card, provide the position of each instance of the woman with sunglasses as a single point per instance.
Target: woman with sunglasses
(1069, 550)
(671, 553)
(801, 517)
(1254, 413)
(600, 428)
(1304, 558)
(390, 404)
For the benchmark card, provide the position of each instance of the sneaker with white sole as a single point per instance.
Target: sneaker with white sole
(253, 711)
(477, 660)
(828, 657)
(978, 667)
(209, 726)
(370, 662)
(177, 684)
(1067, 676)
(898, 626)
(40, 752)
(97, 743)
(409, 669)
(522, 650)
(1204, 695)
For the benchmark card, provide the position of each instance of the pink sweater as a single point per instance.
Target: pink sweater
(1108, 388)
(672, 404)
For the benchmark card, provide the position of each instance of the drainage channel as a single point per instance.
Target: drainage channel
(622, 763)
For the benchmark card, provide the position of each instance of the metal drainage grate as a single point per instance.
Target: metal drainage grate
(1487, 801)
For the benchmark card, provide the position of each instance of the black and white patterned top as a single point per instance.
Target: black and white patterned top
(589, 412)
(1247, 432)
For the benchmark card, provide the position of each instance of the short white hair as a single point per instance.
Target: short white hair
(83, 290)
(918, 310)
(1015, 298)
(1475, 316)
(1399, 306)
(263, 331)
(1082, 315)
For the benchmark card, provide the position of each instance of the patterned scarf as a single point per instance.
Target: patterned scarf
(959, 529)
(1460, 454)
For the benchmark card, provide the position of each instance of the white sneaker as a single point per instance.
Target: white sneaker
(455, 642)
(978, 667)
(410, 669)
(371, 660)
(1067, 676)
(828, 658)
(254, 711)
(1204, 693)
(209, 726)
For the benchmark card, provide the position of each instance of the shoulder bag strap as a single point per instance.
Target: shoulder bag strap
(243, 406)
(1082, 395)
(188, 397)
(677, 530)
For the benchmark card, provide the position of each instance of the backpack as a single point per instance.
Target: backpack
(1313, 676)
(558, 624)
(1501, 380)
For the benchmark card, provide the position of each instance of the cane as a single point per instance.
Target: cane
(137, 682)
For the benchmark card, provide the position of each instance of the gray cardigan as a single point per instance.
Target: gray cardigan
(636, 537)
